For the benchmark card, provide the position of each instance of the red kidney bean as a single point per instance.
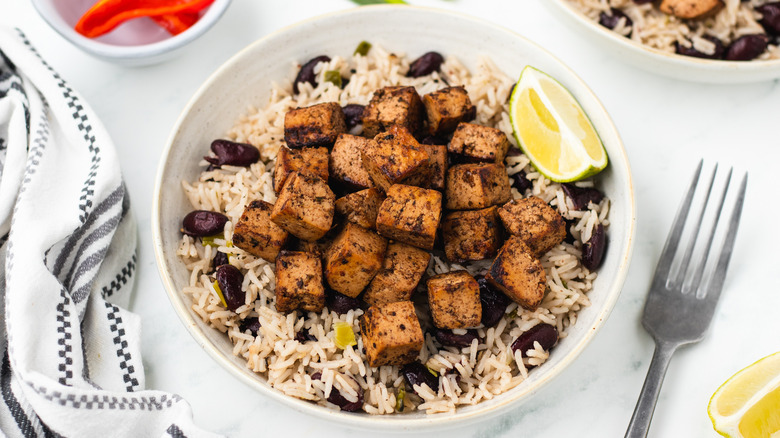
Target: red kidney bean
(611, 20)
(581, 196)
(337, 399)
(416, 373)
(229, 279)
(545, 334)
(340, 303)
(353, 114)
(425, 65)
(521, 182)
(303, 335)
(770, 13)
(252, 324)
(306, 74)
(569, 237)
(450, 339)
(219, 259)
(201, 223)
(747, 47)
(691, 51)
(593, 249)
(232, 153)
(494, 302)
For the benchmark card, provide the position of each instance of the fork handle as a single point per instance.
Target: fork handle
(643, 413)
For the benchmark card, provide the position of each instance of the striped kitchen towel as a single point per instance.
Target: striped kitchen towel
(71, 363)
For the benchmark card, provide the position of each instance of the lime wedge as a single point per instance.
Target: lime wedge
(748, 404)
(553, 129)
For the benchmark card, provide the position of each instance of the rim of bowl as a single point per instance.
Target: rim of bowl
(55, 20)
(686, 61)
(365, 421)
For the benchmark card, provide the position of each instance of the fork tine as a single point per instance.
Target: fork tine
(692, 241)
(670, 247)
(715, 284)
(699, 271)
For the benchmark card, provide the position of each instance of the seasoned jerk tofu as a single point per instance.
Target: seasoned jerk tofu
(518, 274)
(346, 162)
(257, 234)
(534, 222)
(393, 106)
(454, 300)
(313, 161)
(395, 157)
(316, 125)
(446, 108)
(410, 215)
(304, 207)
(299, 282)
(479, 143)
(437, 155)
(402, 270)
(690, 9)
(478, 185)
(361, 207)
(353, 259)
(471, 234)
(391, 334)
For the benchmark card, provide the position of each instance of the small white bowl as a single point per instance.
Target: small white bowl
(245, 80)
(668, 64)
(134, 43)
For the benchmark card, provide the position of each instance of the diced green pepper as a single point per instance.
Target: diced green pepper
(399, 399)
(344, 336)
(362, 48)
(209, 240)
(334, 77)
(219, 293)
(513, 314)
(432, 371)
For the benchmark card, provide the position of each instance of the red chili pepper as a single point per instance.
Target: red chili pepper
(176, 23)
(105, 15)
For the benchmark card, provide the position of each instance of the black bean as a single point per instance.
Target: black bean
(521, 182)
(747, 47)
(593, 249)
(691, 51)
(353, 114)
(303, 335)
(220, 259)
(770, 13)
(425, 65)
(252, 324)
(581, 196)
(229, 279)
(416, 373)
(306, 74)
(611, 20)
(232, 153)
(545, 334)
(201, 223)
(337, 399)
(494, 302)
(450, 339)
(340, 303)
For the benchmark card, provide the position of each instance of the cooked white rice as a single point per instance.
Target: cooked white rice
(661, 31)
(479, 372)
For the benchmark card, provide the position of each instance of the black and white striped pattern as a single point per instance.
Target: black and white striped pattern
(71, 361)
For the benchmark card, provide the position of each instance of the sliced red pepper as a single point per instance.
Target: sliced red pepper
(176, 23)
(105, 15)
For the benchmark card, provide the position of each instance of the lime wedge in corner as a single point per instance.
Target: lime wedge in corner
(553, 129)
(748, 404)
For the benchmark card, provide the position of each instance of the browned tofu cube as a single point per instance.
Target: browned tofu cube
(317, 247)
(304, 207)
(316, 125)
(299, 282)
(361, 207)
(391, 334)
(454, 300)
(477, 185)
(479, 143)
(691, 9)
(257, 234)
(471, 234)
(518, 274)
(393, 106)
(437, 155)
(353, 259)
(534, 222)
(346, 162)
(395, 157)
(446, 108)
(410, 215)
(402, 270)
(313, 161)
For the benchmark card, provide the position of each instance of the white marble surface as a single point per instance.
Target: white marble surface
(666, 125)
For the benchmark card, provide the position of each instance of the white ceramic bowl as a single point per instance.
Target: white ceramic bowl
(134, 43)
(244, 80)
(676, 66)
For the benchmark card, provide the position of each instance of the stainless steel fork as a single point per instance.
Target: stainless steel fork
(681, 301)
